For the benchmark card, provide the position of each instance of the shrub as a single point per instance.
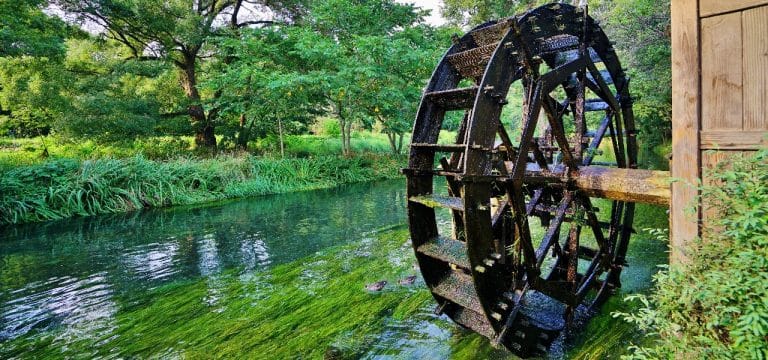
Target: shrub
(716, 306)
(162, 147)
(328, 127)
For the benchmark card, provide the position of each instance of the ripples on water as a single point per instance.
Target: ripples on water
(75, 275)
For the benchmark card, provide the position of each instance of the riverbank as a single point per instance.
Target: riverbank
(63, 188)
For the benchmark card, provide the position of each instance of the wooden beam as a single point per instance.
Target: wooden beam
(714, 7)
(686, 105)
(733, 140)
(634, 185)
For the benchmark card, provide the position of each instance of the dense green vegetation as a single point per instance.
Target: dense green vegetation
(715, 306)
(224, 72)
(63, 188)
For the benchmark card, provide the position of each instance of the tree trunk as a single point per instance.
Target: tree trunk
(204, 129)
(280, 132)
(343, 130)
(243, 134)
(392, 143)
(348, 136)
(400, 144)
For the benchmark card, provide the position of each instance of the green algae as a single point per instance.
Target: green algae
(295, 310)
(317, 306)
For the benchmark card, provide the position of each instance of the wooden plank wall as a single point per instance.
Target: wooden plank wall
(720, 95)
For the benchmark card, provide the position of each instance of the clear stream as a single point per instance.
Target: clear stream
(271, 277)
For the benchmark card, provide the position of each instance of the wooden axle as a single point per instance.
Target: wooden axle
(633, 185)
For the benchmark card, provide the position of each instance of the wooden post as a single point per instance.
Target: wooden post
(686, 108)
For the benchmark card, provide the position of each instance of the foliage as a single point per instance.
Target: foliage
(325, 127)
(715, 306)
(174, 32)
(641, 31)
(63, 188)
(26, 31)
(111, 98)
(303, 146)
(31, 95)
(360, 62)
(475, 12)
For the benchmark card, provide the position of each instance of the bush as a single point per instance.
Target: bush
(161, 148)
(716, 306)
(327, 127)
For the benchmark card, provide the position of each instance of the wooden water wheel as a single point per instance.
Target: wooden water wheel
(521, 195)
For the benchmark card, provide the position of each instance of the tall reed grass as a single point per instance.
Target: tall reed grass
(63, 188)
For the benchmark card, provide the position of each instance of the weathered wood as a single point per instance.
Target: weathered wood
(755, 28)
(721, 72)
(623, 184)
(733, 140)
(714, 7)
(634, 185)
(685, 123)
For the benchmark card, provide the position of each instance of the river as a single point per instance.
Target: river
(278, 276)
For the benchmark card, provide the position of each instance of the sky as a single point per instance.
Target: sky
(434, 5)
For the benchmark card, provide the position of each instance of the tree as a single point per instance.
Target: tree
(114, 99)
(475, 12)
(641, 30)
(265, 85)
(31, 44)
(360, 61)
(26, 31)
(357, 36)
(397, 68)
(179, 32)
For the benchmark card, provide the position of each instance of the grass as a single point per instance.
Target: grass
(87, 178)
(62, 188)
(16, 152)
(317, 145)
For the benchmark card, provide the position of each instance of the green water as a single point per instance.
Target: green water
(269, 278)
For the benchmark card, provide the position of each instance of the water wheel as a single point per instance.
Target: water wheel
(524, 226)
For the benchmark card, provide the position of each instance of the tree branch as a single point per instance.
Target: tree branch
(257, 22)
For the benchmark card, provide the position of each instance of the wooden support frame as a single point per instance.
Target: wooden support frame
(686, 114)
(716, 7)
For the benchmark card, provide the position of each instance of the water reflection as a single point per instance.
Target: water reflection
(82, 308)
(154, 261)
(67, 274)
